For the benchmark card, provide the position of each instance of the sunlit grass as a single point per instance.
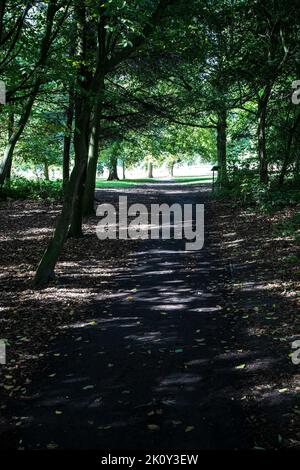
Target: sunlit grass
(135, 182)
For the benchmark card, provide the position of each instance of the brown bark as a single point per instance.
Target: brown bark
(150, 170)
(261, 133)
(46, 171)
(222, 148)
(45, 270)
(93, 154)
(11, 123)
(171, 169)
(113, 170)
(287, 159)
(87, 88)
(68, 138)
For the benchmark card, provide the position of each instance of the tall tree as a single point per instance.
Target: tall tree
(36, 78)
(91, 71)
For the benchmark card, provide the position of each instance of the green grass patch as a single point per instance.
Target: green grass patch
(140, 181)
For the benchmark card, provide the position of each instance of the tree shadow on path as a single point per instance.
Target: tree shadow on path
(156, 365)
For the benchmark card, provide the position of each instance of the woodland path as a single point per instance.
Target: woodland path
(150, 370)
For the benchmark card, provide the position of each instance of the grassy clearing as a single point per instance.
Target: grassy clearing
(135, 182)
(22, 188)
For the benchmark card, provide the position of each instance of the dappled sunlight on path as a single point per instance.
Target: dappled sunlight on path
(156, 363)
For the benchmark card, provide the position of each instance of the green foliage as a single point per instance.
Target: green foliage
(22, 188)
(169, 145)
(163, 90)
(42, 140)
(291, 260)
(290, 227)
(246, 189)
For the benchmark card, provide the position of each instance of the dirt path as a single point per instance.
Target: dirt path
(151, 368)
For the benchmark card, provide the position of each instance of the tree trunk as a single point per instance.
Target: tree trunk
(286, 162)
(45, 270)
(8, 173)
(221, 148)
(81, 140)
(93, 154)
(87, 87)
(287, 159)
(171, 168)
(91, 171)
(46, 171)
(67, 138)
(263, 164)
(261, 133)
(6, 163)
(113, 170)
(123, 169)
(150, 170)
(11, 123)
(297, 165)
(75, 230)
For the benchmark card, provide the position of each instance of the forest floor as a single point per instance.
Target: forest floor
(141, 344)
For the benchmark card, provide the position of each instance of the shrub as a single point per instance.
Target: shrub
(245, 189)
(22, 188)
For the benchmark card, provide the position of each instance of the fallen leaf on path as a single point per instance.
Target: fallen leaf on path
(189, 428)
(153, 427)
(52, 445)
